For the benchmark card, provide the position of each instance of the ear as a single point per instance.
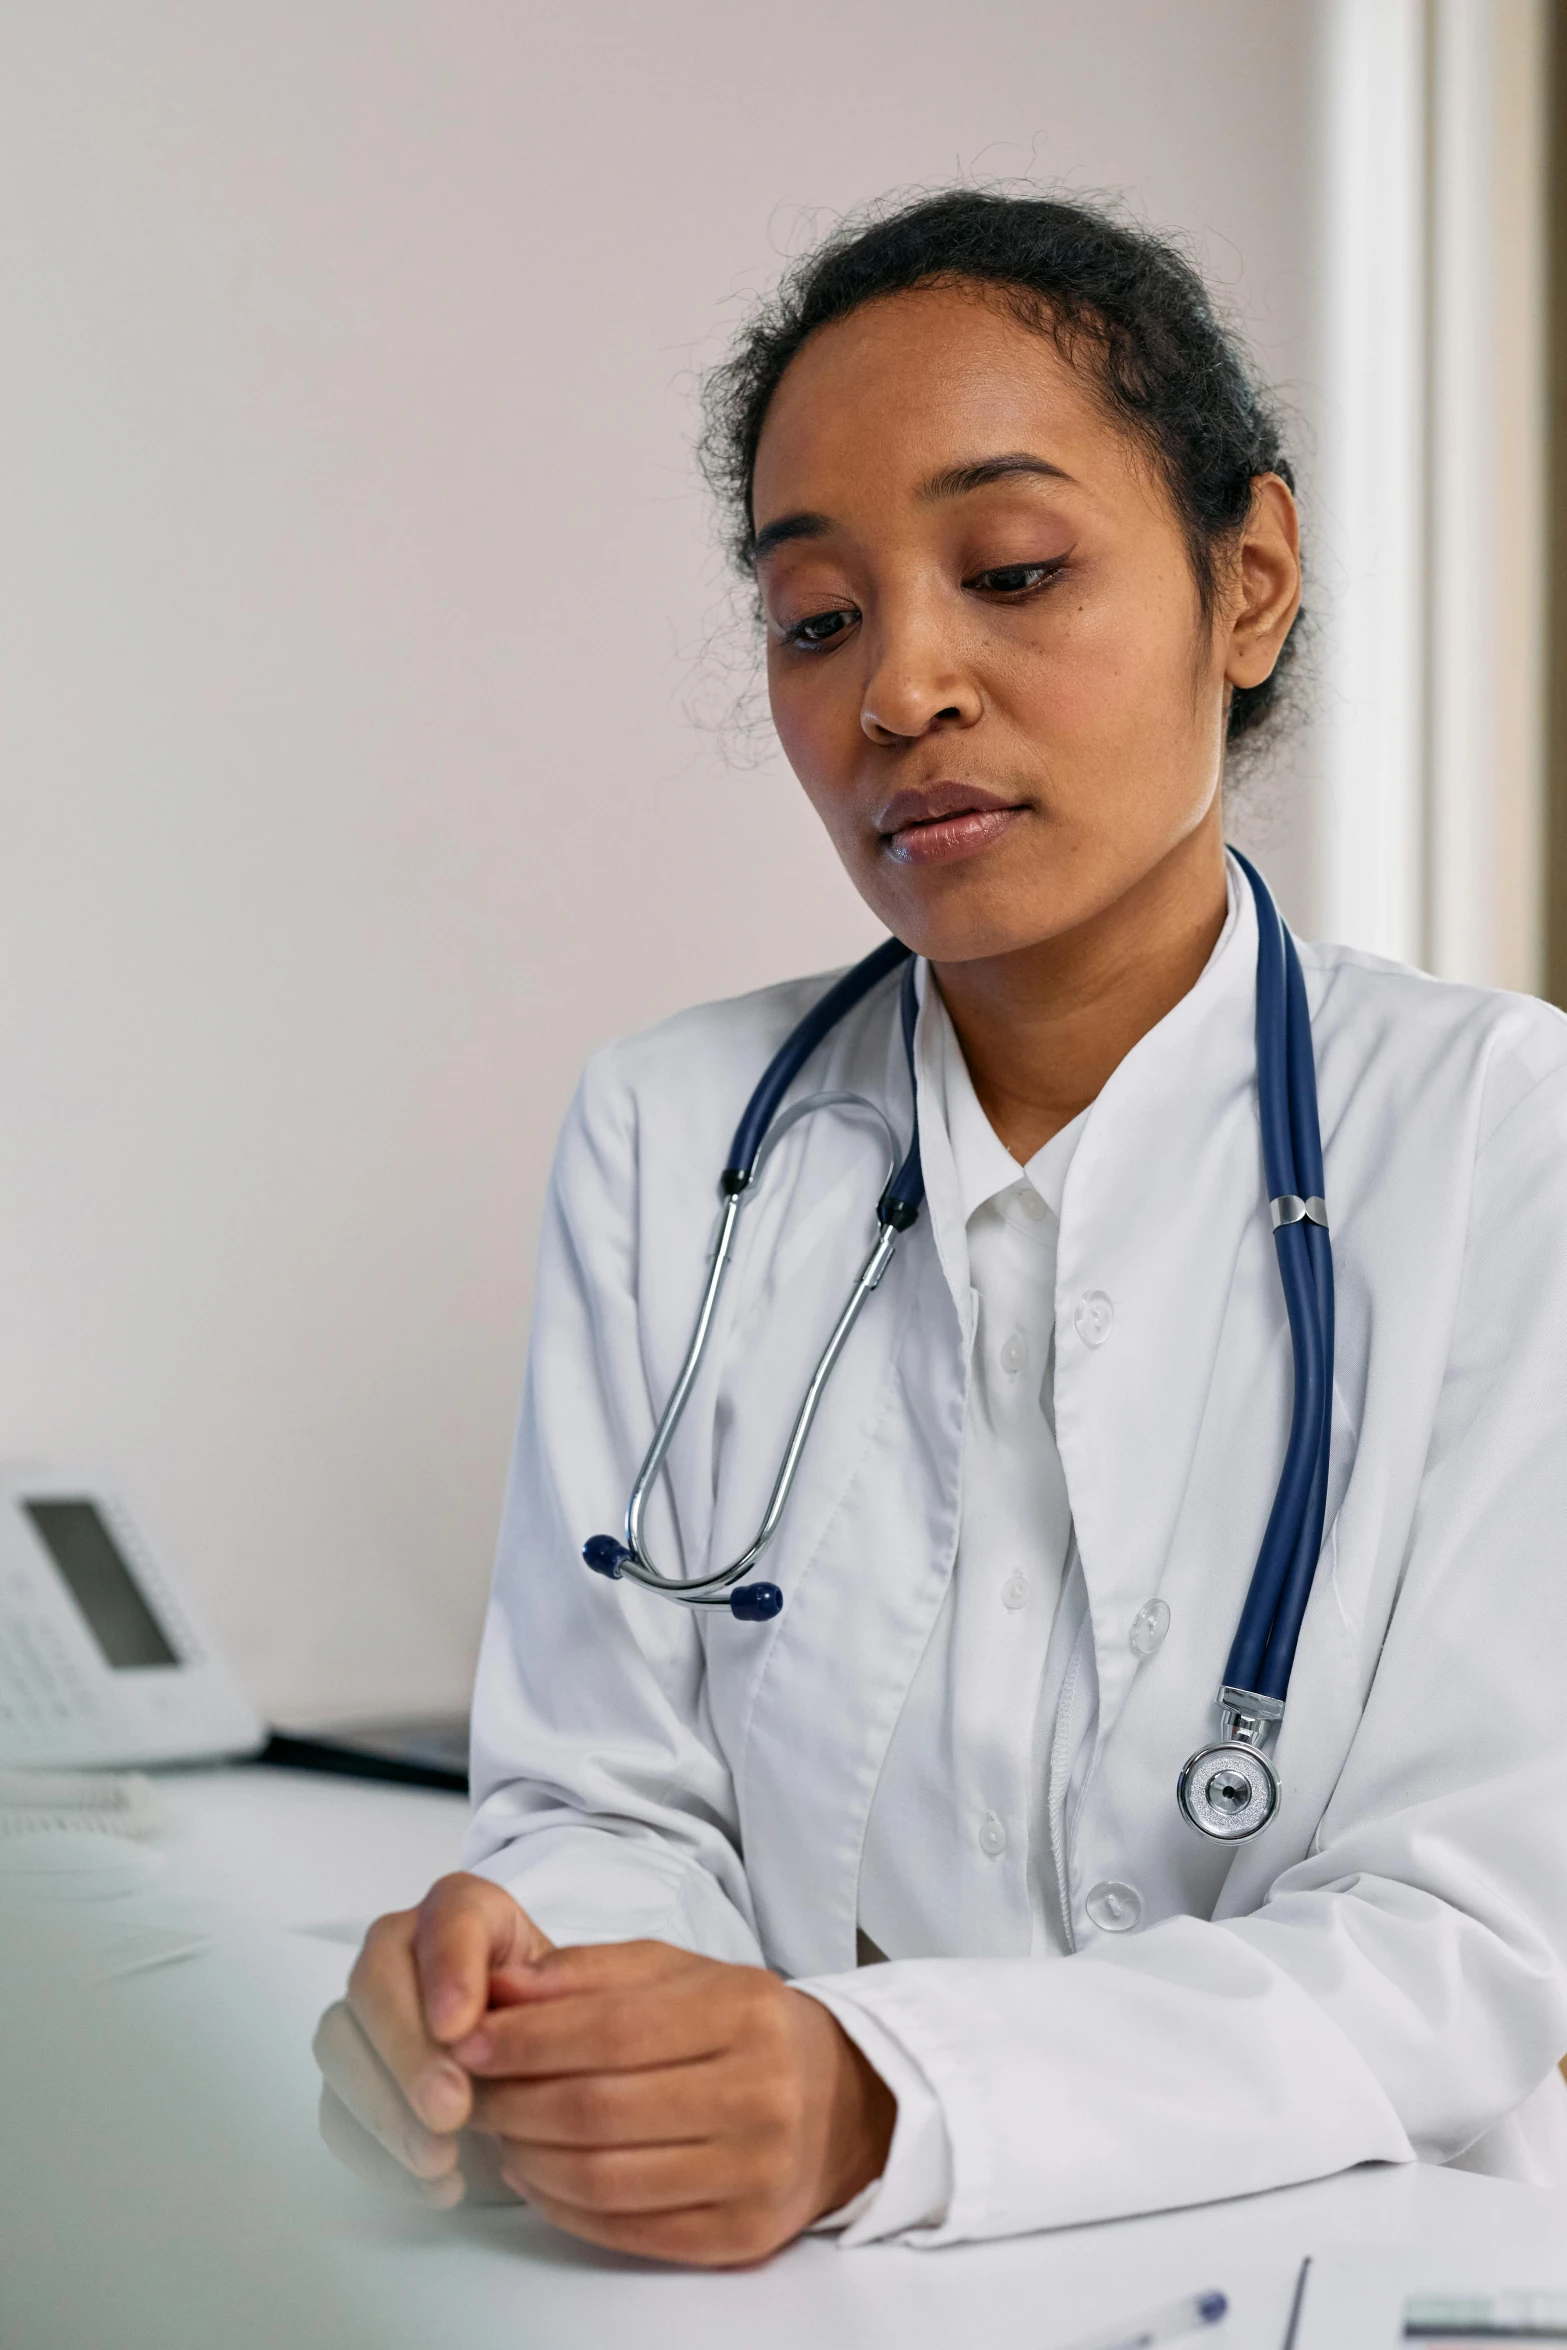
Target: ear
(1265, 594)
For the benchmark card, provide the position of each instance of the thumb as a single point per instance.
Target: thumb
(467, 1927)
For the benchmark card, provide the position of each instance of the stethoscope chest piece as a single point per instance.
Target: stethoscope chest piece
(1229, 1792)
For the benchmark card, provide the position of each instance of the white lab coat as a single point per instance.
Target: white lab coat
(1382, 1973)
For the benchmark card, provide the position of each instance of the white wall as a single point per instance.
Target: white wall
(352, 567)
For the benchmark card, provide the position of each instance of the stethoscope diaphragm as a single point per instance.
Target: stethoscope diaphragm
(1229, 1791)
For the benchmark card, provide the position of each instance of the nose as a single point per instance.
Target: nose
(915, 683)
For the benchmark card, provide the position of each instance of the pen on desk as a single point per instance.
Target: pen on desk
(1160, 2325)
(1293, 2328)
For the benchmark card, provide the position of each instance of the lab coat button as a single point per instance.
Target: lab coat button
(1014, 1591)
(1114, 1909)
(1149, 1627)
(1093, 1317)
(1032, 1205)
(1014, 1352)
(992, 1836)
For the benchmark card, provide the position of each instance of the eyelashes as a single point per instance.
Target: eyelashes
(1007, 583)
(820, 629)
(1016, 580)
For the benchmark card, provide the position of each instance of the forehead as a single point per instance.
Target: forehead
(913, 381)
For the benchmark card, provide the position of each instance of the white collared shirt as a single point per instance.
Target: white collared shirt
(957, 1846)
(958, 1842)
(1380, 1975)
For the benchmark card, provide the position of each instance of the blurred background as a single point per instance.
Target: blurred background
(363, 651)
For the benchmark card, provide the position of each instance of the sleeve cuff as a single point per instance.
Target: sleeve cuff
(915, 2189)
(588, 1885)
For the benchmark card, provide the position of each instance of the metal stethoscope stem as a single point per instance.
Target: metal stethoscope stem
(762, 1126)
(633, 1558)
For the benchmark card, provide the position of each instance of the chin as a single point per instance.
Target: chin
(964, 934)
(955, 917)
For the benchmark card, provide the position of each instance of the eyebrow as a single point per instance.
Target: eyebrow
(787, 527)
(954, 481)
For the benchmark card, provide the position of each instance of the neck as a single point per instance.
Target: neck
(1043, 1027)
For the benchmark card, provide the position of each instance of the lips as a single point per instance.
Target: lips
(945, 822)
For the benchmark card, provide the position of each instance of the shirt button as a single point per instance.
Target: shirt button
(992, 1836)
(1149, 1626)
(1033, 1207)
(1114, 1909)
(1014, 1352)
(1014, 1591)
(1093, 1317)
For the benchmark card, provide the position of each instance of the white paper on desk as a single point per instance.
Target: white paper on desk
(1355, 2296)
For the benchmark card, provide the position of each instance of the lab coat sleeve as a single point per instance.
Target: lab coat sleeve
(1402, 1988)
(602, 1804)
(915, 2186)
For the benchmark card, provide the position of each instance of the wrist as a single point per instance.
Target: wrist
(861, 2114)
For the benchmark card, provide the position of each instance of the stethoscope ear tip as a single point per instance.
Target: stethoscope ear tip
(605, 1555)
(754, 1603)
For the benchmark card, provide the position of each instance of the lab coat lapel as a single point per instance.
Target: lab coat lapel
(1160, 1192)
(865, 1558)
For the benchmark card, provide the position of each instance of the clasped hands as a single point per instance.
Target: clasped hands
(640, 2097)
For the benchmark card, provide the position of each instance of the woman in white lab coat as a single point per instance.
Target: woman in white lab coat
(1025, 548)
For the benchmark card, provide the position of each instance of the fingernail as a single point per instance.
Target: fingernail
(442, 2096)
(478, 2048)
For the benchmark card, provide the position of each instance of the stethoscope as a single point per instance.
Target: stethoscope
(1229, 1790)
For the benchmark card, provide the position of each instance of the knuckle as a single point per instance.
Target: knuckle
(389, 1931)
(455, 1890)
(384, 1939)
(774, 2103)
(765, 2014)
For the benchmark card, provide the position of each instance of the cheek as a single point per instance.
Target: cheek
(816, 712)
(1109, 675)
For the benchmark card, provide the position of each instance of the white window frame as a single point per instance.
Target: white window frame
(1433, 485)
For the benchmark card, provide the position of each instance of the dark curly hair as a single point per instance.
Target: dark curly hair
(1108, 292)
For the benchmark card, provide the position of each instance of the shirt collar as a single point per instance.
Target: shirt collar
(984, 1167)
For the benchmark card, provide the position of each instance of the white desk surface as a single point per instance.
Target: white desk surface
(302, 1853)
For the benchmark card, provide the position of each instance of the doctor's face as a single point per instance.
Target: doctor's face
(987, 660)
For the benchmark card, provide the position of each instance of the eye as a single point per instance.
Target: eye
(819, 630)
(1015, 579)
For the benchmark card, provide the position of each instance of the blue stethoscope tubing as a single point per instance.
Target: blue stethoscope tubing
(1263, 1652)
(1229, 1790)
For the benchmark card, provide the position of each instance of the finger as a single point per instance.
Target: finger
(358, 2151)
(361, 2083)
(664, 2105)
(383, 1993)
(599, 1966)
(465, 1929)
(480, 2158)
(725, 2235)
(630, 2027)
(619, 2179)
